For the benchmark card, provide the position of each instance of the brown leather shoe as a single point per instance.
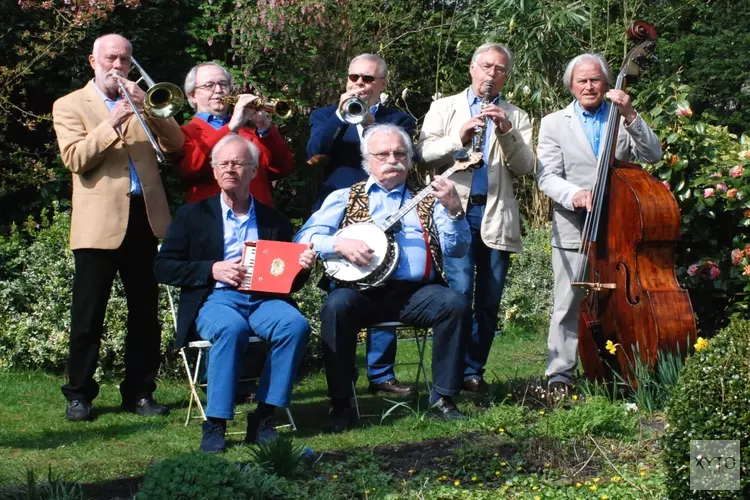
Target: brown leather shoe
(394, 387)
(475, 384)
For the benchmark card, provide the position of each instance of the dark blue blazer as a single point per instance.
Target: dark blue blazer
(339, 141)
(194, 242)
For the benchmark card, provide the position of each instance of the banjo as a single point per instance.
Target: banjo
(380, 238)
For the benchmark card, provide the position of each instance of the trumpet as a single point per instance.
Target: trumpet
(283, 108)
(354, 110)
(163, 100)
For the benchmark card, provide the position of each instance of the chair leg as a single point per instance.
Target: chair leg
(195, 379)
(191, 382)
(421, 340)
(356, 403)
(291, 419)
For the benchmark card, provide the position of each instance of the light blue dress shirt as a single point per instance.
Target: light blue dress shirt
(135, 182)
(237, 230)
(593, 125)
(219, 121)
(455, 236)
(479, 179)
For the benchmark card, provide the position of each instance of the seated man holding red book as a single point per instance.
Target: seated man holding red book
(205, 85)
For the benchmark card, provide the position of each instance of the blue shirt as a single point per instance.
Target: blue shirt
(237, 230)
(455, 236)
(135, 182)
(479, 179)
(219, 121)
(593, 125)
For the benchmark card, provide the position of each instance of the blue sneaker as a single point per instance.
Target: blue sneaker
(213, 436)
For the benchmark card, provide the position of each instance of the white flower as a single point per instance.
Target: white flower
(526, 90)
(437, 95)
(631, 407)
(405, 93)
(384, 97)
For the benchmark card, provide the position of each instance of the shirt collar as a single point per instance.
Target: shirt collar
(603, 109)
(209, 118)
(374, 108)
(473, 99)
(225, 209)
(102, 94)
(372, 184)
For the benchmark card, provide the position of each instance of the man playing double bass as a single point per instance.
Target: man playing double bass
(570, 142)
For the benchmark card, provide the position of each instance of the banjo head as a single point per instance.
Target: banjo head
(341, 270)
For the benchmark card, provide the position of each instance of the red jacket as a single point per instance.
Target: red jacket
(276, 161)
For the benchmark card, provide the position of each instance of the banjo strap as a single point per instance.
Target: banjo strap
(358, 210)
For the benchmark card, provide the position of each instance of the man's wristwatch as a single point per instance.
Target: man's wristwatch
(460, 215)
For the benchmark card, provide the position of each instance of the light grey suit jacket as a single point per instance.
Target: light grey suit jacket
(568, 165)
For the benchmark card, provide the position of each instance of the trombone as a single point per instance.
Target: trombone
(283, 108)
(163, 100)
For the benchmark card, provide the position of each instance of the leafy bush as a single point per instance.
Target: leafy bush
(527, 298)
(194, 476)
(710, 402)
(596, 416)
(36, 287)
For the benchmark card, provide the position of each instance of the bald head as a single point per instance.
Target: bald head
(110, 56)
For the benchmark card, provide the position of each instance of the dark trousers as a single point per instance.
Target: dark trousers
(94, 274)
(347, 311)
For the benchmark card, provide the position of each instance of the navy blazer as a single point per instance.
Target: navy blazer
(194, 242)
(333, 137)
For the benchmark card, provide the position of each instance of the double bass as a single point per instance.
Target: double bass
(626, 255)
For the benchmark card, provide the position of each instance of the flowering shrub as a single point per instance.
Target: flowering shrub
(705, 167)
(710, 402)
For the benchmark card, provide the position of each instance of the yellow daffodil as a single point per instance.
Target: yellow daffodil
(596, 479)
(611, 347)
(592, 487)
(456, 482)
(578, 485)
(604, 497)
(700, 344)
(643, 473)
(574, 397)
(616, 479)
(500, 430)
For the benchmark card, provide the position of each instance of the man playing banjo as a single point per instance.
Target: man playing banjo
(415, 292)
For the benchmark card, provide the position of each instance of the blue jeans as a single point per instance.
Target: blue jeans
(227, 318)
(381, 351)
(491, 267)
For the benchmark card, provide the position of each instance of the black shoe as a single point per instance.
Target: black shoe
(146, 407)
(476, 384)
(341, 419)
(445, 409)
(79, 410)
(260, 431)
(213, 436)
(394, 387)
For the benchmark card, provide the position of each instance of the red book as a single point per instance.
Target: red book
(272, 266)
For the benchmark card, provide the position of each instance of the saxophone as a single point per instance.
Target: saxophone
(486, 99)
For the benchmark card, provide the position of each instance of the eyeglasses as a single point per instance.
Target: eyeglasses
(498, 69)
(230, 165)
(211, 85)
(354, 77)
(398, 155)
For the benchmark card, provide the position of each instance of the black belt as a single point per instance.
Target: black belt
(478, 199)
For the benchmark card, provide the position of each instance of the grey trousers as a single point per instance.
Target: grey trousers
(562, 340)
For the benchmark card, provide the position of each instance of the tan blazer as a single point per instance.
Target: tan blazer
(568, 165)
(509, 154)
(97, 155)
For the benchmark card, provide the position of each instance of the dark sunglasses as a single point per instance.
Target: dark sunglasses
(365, 78)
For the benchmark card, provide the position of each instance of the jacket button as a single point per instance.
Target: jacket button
(127, 194)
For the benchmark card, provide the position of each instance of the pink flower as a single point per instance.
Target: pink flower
(736, 171)
(717, 175)
(708, 193)
(721, 187)
(737, 255)
(732, 193)
(684, 112)
(713, 269)
(666, 185)
(693, 270)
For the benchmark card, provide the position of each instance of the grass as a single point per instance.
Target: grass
(544, 449)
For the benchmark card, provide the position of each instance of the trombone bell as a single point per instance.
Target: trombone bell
(163, 100)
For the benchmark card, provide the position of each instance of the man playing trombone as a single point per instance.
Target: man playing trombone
(207, 87)
(119, 209)
(335, 135)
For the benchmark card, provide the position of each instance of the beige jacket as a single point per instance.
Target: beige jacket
(509, 154)
(97, 155)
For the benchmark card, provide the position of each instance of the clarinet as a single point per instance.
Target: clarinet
(486, 99)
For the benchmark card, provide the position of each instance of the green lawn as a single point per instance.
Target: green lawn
(541, 448)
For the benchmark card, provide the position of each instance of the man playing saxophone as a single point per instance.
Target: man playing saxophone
(207, 87)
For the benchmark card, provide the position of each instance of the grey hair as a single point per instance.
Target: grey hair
(382, 66)
(386, 128)
(190, 78)
(230, 138)
(98, 43)
(588, 56)
(497, 47)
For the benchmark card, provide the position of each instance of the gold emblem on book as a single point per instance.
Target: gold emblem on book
(277, 267)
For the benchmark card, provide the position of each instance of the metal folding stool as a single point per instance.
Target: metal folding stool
(420, 339)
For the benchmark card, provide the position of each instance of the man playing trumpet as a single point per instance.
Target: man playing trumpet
(207, 87)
